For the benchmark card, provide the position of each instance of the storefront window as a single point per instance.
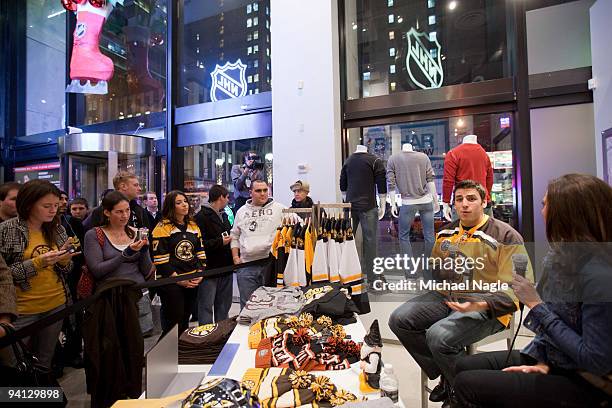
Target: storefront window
(134, 38)
(46, 66)
(210, 164)
(422, 44)
(225, 50)
(436, 137)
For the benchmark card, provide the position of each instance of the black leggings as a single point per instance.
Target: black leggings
(481, 383)
(177, 304)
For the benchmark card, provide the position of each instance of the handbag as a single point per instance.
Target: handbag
(85, 287)
(28, 372)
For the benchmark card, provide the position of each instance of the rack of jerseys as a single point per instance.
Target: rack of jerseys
(334, 257)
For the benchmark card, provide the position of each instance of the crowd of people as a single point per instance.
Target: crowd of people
(46, 240)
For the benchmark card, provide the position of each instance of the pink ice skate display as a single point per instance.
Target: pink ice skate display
(90, 70)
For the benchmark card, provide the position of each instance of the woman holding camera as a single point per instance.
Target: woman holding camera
(243, 175)
(37, 251)
(114, 250)
(569, 362)
(177, 250)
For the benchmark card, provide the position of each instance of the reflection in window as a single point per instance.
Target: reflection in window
(467, 43)
(134, 38)
(210, 164)
(241, 42)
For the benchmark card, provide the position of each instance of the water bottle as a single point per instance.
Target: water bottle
(389, 384)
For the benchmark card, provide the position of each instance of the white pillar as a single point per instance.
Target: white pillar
(306, 122)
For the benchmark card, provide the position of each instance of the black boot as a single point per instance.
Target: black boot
(440, 392)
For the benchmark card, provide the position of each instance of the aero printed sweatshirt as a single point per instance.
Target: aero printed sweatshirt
(254, 229)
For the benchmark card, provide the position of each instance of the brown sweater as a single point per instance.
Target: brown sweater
(8, 298)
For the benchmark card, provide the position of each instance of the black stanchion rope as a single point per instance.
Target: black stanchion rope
(75, 307)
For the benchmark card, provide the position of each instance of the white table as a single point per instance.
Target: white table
(244, 358)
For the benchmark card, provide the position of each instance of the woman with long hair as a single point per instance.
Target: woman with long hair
(122, 254)
(177, 250)
(569, 362)
(37, 250)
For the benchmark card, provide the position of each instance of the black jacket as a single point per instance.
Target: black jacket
(138, 218)
(362, 177)
(153, 220)
(114, 347)
(211, 226)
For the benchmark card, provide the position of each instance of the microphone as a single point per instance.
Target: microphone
(519, 264)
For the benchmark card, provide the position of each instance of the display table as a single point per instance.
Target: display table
(237, 357)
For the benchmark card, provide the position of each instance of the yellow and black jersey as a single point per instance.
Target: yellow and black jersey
(177, 249)
(489, 246)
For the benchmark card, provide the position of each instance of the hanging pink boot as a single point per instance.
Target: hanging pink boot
(90, 70)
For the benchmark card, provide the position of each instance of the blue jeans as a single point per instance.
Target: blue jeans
(369, 231)
(406, 218)
(214, 295)
(249, 279)
(435, 335)
(145, 315)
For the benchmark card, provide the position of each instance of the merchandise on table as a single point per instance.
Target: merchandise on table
(297, 348)
(272, 326)
(268, 302)
(202, 344)
(330, 299)
(221, 392)
(278, 388)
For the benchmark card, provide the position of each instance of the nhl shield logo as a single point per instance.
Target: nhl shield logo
(228, 81)
(425, 71)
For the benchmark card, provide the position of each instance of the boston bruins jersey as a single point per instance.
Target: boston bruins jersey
(489, 246)
(177, 249)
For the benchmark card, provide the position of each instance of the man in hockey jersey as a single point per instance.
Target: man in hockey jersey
(437, 326)
(252, 236)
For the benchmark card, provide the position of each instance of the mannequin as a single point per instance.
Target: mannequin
(412, 174)
(455, 170)
(361, 179)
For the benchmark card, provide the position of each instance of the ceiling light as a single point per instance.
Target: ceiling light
(452, 5)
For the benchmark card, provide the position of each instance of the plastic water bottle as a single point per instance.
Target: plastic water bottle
(388, 384)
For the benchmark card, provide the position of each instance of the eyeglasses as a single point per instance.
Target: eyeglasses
(261, 190)
(251, 157)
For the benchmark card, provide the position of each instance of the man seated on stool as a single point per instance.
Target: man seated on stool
(437, 326)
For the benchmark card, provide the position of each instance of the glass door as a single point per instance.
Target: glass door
(88, 178)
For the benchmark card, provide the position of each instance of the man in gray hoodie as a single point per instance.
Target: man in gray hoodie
(252, 235)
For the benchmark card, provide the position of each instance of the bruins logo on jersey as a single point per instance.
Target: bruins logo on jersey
(184, 250)
(203, 330)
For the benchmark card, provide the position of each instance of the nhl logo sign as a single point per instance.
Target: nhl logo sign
(228, 81)
(424, 70)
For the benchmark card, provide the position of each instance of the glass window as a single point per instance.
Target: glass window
(202, 17)
(436, 137)
(389, 3)
(46, 66)
(392, 69)
(249, 8)
(134, 38)
(470, 43)
(209, 164)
